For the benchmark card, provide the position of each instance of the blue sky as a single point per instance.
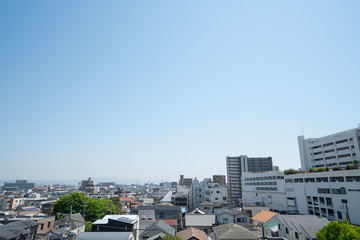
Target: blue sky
(155, 89)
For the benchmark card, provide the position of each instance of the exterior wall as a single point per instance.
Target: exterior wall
(242, 219)
(336, 150)
(16, 202)
(46, 224)
(332, 194)
(215, 193)
(225, 218)
(264, 189)
(237, 165)
(220, 179)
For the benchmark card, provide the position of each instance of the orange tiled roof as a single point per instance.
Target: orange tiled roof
(264, 216)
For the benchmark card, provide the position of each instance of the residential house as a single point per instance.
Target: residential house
(204, 222)
(157, 230)
(192, 234)
(223, 217)
(300, 227)
(19, 230)
(164, 211)
(117, 223)
(241, 218)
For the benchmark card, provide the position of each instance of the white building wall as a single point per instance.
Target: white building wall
(335, 150)
(264, 189)
(215, 193)
(334, 194)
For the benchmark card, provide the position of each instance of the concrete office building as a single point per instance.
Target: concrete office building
(237, 165)
(264, 189)
(335, 150)
(333, 194)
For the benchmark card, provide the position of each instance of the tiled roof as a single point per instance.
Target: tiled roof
(264, 216)
(233, 231)
(192, 233)
(171, 222)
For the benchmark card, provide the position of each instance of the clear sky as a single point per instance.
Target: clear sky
(155, 89)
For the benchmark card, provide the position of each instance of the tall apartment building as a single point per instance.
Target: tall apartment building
(237, 165)
(335, 150)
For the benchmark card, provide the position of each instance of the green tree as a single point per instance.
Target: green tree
(289, 171)
(94, 208)
(339, 231)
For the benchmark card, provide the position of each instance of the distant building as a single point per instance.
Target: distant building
(237, 165)
(87, 186)
(335, 150)
(185, 181)
(19, 185)
(220, 179)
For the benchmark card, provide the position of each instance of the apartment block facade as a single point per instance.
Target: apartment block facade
(237, 165)
(335, 150)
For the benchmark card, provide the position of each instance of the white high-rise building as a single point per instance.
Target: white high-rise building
(335, 150)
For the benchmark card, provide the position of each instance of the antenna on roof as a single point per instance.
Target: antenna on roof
(302, 127)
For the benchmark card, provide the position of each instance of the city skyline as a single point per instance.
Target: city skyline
(153, 90)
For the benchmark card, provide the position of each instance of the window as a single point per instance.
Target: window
(143, 217)
(329, 202)
(309, 180)
(279, 226)
(339, 214)
(336, 179)
(224, 198)
(296, 235)
(324, 190)
(49, 224)
(341, 191)
(150, 217)
(161, 215)
(344, 201)
(225, 219)
(322, 200)
(244, 220)
(287, 230)
(217, 191)
(42, 226)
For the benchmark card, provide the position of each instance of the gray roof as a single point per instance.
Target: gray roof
(161, 226)
(104, 235)
(221, 212)
(233, 231)
(167, 197)
(14, 229)
(309, 224)
(199, 220)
